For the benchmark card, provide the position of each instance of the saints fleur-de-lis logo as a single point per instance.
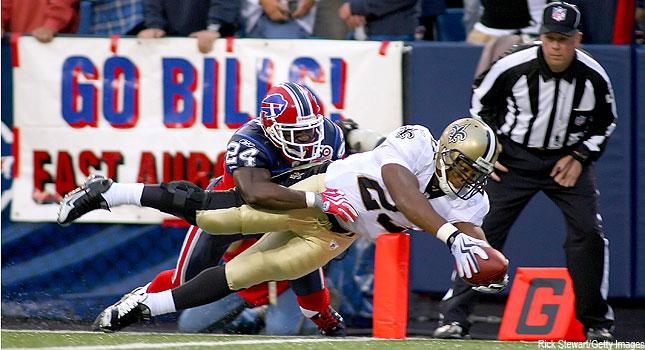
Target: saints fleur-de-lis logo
(457, 133)
(405, 132)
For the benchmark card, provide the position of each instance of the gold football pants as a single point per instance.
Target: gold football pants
(297, 241)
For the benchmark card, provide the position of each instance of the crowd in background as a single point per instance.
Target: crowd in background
(475, 21)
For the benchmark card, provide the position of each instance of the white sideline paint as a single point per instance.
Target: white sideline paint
(200, 344)
(187, 344)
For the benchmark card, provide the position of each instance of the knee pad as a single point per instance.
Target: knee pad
(183, 199)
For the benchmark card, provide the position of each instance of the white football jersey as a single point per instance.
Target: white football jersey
(359, 177)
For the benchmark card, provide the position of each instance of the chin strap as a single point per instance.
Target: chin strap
(443, 183)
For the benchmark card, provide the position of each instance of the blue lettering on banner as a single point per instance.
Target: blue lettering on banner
(303, 68)
(121, 81)
(264, 81)
(210, 93)
(179, 83)
(79, 100)
(232, 115)
(116, 70)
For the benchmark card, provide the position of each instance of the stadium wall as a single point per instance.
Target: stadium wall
(71, 273)
(638, 128)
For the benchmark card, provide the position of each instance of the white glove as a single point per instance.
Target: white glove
(464, 248)
(493, 288)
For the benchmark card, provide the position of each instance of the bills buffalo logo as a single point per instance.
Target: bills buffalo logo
(405, 133)
(273, 105)
(559, 14)
(457, 133)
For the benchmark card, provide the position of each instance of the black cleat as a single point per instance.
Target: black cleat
(130, 309)
(84, 199)
(330, 323)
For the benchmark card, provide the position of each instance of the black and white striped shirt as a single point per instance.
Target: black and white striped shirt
(521, 98)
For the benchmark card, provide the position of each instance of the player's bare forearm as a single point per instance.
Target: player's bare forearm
(273, 196)
(403, 187)
(256, 189)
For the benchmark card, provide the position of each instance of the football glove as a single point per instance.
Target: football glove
(332, 201)
(464, 248)
(493, 288)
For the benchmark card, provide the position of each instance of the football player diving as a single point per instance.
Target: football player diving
(410, 181)
(292, 132)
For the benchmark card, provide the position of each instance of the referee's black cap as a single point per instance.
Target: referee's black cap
(560, 17)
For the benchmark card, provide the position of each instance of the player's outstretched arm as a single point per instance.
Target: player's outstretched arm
(403, 188)
(256, 188)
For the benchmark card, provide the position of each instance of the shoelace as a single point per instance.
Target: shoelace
(83, 188)
(127, 305)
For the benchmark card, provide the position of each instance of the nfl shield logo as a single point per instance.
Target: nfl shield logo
(559, 14)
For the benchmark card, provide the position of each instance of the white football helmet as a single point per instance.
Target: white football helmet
(465, 157)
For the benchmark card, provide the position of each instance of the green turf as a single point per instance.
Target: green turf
(99, 341)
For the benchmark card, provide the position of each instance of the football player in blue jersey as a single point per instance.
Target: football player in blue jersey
(290, 132)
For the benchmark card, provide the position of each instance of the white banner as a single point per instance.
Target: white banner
(158, 110)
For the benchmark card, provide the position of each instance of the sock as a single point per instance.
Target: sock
(120, 194)
(163, 281)
(160, 303)
(314, 303)
(209, 286)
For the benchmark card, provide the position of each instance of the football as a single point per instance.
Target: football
(491, 270)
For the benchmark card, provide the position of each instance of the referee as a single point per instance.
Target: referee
(553, 107)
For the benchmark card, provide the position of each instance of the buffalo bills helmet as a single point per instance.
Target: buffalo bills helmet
(292, 119)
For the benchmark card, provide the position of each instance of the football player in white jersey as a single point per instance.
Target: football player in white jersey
(409, 181)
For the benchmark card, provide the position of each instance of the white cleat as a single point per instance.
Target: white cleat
(130, 309)
(84, 199)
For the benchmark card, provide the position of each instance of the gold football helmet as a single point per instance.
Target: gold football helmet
(465, 157)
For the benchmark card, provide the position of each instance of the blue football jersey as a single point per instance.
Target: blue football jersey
(250, 147)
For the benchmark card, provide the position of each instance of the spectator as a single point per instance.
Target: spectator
(328, 25)
(122, 17)
(506, 17)
(498, 42)
(41, 18)
(204, 20)
(549, 144)
(383, 19)
(279, 19)
(430, 9)
(472, 12)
